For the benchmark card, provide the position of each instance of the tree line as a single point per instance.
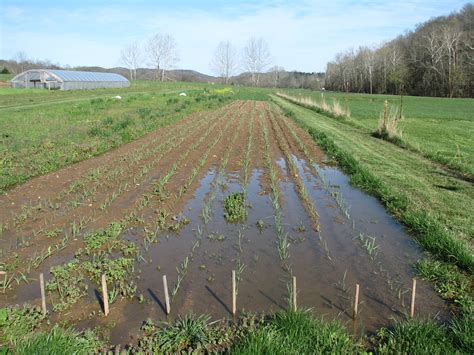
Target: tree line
(436, 59)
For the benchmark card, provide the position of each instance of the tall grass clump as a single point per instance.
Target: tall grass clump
(296, 332)
(189, 332)
(335, 110)
(389, 125)
(415, 336)
(60, 341)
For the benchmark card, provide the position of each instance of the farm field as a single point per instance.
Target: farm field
(199, 186)
(145, 191)
(439, 128)
(35, 141)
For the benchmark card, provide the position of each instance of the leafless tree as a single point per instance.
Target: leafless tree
(276, 74)
(256, 57)
(131, 57)
(368, 57)
(224, 62)
(162, 53)
(21, 59)
(451, 37)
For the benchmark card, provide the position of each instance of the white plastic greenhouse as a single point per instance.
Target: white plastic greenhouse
(68, 80)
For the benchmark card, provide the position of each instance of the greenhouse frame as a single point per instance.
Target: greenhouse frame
(68, 80)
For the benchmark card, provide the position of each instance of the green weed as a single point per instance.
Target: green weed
(235, 207)
(68, 281)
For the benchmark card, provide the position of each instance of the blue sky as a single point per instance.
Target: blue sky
(302, 35)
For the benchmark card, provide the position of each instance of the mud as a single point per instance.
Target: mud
(328, 257)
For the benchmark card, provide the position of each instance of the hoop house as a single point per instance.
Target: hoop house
(68, 80)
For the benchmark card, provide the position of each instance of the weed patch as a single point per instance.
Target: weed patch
(235, 207)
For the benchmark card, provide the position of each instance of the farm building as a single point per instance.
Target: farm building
(68, 80)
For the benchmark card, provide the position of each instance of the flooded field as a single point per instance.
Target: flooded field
(165, 204)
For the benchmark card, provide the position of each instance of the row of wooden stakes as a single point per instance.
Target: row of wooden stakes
(105, 297)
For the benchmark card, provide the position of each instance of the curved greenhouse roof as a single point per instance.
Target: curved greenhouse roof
(68, 79)
(69, 75)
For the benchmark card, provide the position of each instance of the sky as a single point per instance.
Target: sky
(302, 35)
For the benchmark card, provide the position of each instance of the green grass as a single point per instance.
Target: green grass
(297, 332)
(414, 337)
(6, 77)
(59, 341)
(441, 129)
(37, 141)
(188, 332)
(17, 322)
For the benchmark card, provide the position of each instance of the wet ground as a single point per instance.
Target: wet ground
(351, 240)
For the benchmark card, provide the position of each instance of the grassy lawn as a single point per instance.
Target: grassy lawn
(440, 128)
(11, 98)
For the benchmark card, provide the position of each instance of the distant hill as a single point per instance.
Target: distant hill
(273, 78)
(150, 74)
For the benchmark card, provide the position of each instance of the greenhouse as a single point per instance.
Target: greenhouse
(68, 80)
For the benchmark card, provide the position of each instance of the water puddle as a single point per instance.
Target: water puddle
(358, 242)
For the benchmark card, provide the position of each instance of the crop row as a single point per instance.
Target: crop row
(172, 142)
(55, 248)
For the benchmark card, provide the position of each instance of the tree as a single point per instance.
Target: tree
(162, 53)
(276, 73)
(256, 57)
(436, 59)
(131, 57)
(368, 58)
(21, 59)
(224, 62)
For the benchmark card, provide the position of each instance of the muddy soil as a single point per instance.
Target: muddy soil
(207, 156)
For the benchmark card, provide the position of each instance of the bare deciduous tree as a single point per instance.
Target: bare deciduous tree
(162, 53)
(21, 58)
(131, 57)
(224, 62)
(368, 58)
(276, 74)
(256, 57)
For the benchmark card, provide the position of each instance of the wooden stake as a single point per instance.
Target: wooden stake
(234, 294)
(356, 302)
(105, 295)
(294, 293)
(413, 295)
(167, 296)
(43, 296)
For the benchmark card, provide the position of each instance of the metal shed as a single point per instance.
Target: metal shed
(68, 80)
